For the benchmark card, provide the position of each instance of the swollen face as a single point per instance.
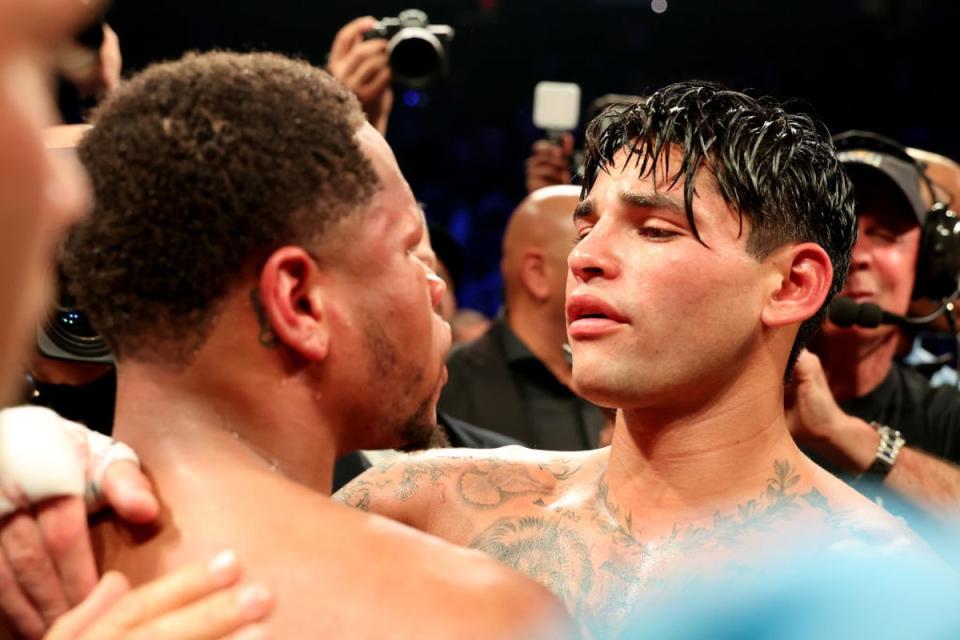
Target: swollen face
(399, 363)
(40, 194)
(655, 317)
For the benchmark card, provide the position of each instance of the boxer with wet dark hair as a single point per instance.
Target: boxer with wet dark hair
(712, 231)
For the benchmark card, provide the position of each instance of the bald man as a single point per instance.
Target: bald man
(515, 379)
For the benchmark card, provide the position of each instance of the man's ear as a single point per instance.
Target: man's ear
(533, 273)
(802, 277)
(292, 299)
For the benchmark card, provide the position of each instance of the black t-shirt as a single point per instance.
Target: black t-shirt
(928, 417)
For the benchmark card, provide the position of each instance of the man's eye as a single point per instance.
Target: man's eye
(657, 233)
(580, 236)
(882, 236)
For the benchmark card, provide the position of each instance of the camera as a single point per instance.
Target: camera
(68, 335)
(417, 49)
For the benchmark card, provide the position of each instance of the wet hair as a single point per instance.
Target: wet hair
(201, 168)
(778, 169)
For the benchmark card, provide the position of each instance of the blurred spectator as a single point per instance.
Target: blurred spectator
(468, 325)
(896, 428)
(515, 379)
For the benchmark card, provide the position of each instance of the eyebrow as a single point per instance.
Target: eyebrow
(587, 208)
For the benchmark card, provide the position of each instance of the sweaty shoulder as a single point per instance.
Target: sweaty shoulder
(328, 564)
(481, 597)
(434, 490)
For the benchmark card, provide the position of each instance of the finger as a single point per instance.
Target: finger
(251, 632)
(70, 625)
(546, 164)
(175, 590)
(17, 609)
(212, 617)
(32, 566)
(351, 34)
(63, 526)
(548, 174)
(566, 144)
(358, 56)
(128, 491)
(360, 81)
(379, 84)
(547, 148)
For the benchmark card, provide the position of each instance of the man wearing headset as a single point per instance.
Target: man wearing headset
(859, 408)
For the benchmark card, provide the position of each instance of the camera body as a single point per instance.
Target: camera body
(418, 50)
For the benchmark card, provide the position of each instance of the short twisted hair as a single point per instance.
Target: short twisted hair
(777, 168)
(201, 168)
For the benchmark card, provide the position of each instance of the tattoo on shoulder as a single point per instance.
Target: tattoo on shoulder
(546, 550)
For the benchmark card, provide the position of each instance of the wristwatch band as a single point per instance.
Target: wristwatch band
(887, 451)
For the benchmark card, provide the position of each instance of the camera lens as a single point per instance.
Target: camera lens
(68, 334)
(417, 58)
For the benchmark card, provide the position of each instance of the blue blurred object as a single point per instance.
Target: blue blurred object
(835, 594)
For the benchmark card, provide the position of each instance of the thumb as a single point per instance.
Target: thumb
(73, 623)
(128, 491)
(566, 142)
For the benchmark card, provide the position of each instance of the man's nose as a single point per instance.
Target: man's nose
(591, 257)
(437, 288)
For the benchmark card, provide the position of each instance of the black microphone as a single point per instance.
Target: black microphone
(846, 312)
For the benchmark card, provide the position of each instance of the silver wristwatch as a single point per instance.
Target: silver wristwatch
(887, 451)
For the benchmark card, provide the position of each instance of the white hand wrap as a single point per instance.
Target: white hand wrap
(43, 455)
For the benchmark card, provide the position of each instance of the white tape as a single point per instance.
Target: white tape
(43, 455)
(39, 458)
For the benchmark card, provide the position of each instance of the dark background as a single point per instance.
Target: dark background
(884, 65)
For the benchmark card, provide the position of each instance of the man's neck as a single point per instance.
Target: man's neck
(544, 337)
(183, 417)
(855, 367)
(682, 465)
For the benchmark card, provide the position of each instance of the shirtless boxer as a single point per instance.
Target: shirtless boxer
(250, 259)
(712, 232)
(689, 329)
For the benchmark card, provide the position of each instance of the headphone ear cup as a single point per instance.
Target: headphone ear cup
(938, 260)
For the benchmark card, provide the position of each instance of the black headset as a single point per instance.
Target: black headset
(938, 261)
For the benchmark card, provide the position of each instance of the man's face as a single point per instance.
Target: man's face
(883, 263)
(388, 295)
(653, 315)
(40, 194)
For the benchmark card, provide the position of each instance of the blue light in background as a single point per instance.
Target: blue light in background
(414, 99)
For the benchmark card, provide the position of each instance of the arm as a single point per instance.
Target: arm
(817, 422)
(363, 66)
(396, 489)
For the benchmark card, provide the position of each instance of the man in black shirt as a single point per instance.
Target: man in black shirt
(864, 413)
(515, 379)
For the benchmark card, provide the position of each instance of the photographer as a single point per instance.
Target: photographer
(363, 66)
